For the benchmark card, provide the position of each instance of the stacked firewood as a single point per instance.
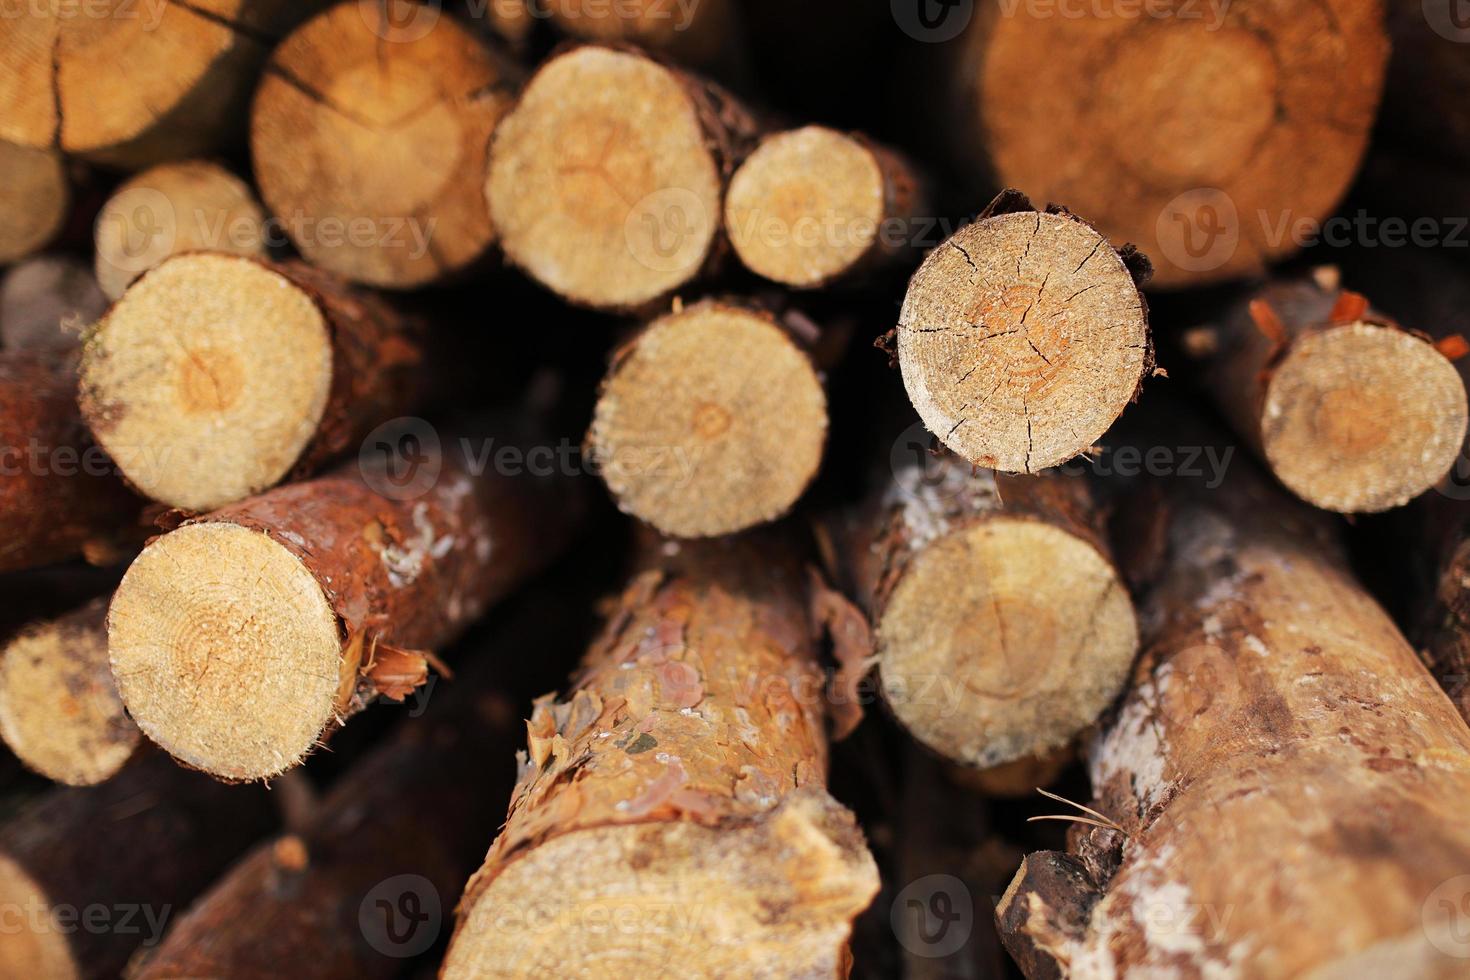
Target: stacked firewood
(996, 504)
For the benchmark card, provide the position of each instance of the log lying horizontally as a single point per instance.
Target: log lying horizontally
(217, 376)
(46, 302)
(678, 794)
(1024, 336)
(606, 179)
(89, 875)
(34, 198)
(1352, 412)
(711, 420)
(1278, 738)
(241, 639)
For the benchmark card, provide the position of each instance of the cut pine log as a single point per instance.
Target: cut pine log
(1199, 138)
(811, 206)
(711, 420)
(606, 179)
(1000, 626)
(89, 875)
(1024, 336)
(1352, 412)
(34, 199)
(46, 302)
(217, 376)
(59, 708)
(241, 639)
(169, 209)
(678, 792)
(1277, 711)
(369, 133)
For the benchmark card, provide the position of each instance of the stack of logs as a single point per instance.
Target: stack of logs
(258, 474)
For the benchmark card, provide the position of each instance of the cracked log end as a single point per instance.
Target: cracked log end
(773, 896)
(225, 650)
(34, 198)
(207, 379)
(59, 708)
(1022, 339)
(32, 952)
(174, 207)
(357, 126)
(806, 206)
(1343, 430)
(601, 183)
(1003, 640)
(712, 422)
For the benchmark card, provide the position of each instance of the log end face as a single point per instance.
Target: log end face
(38, 946)
(1362, 418)
(1004, 640)
(225, 650)
(33, 199)
(207, 380)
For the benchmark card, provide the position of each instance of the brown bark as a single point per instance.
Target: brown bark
(274, 371)
(34, 199)
(46, 302)
(678, 794)
(245, 636)
(1278, 739)
(89, 875)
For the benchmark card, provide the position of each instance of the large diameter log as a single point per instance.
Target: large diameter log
(1156, 146)
(670, 815)
(244, 637)
(1351, 412)
(89, 875)
(34, 199)
(606, 179)
(218, 376)
(369, 133)
(1024, 336)
(711, 420)
(59, 493)
(1278, 738)
(46, 302)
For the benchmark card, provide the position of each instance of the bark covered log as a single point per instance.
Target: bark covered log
(46, 302)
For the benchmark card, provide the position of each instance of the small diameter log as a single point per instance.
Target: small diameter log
(710, 421)
(243, 638)
(59, 708)
(60, 495)
(704, 34)
(369, 133)
(1352, 412)
(1024, 336)
(1278, 738)
(1198, 137)
(217, 376)
(34, 198)
(1000, 626)
(169, 209)
(810, 206)
(671, 816)
(46, 302)
(89, 875)
(605, 180)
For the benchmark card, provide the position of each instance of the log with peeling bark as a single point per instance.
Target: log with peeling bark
(1198, 137)
(88, 875)
(705, 34)
(1000, 627)
(60, 712)
(132, 84)
(677, 795)
(218, 376)
(369, 133)
(812, 206)
(46, 302)
(1351, 411)
(60, 495)
(1278, 729)
(241, 639)
(606, 180)
(711, 420)
(1024, 336)
(34, 199)
(172, 208)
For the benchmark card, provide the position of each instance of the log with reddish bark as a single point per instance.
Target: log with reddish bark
(89, 875)
(46, 302)
(1278, 729)
(671, 815)
(218, 376)
(241, 639)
